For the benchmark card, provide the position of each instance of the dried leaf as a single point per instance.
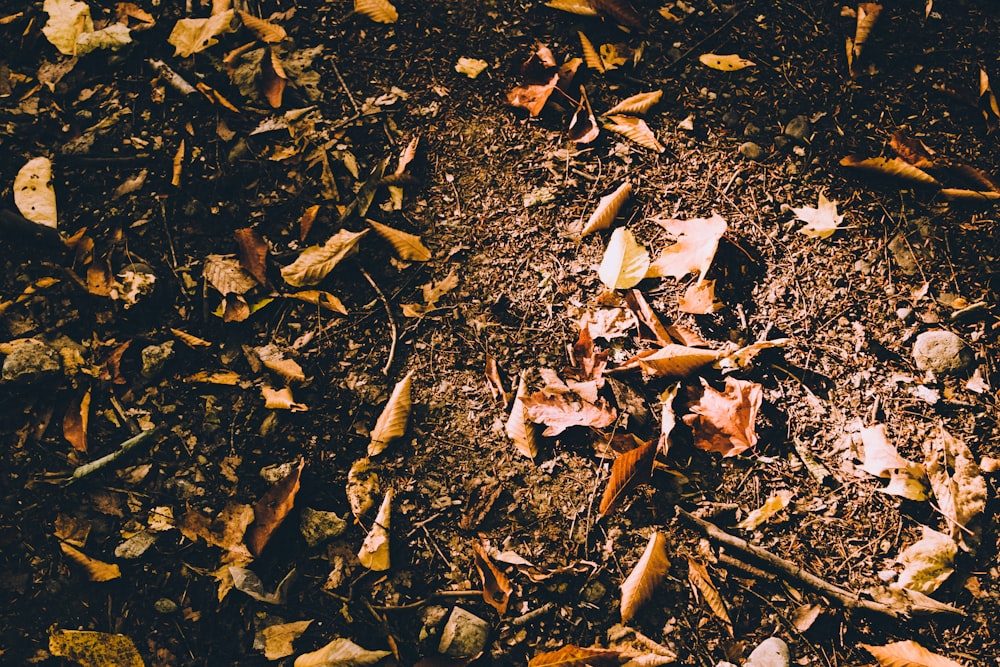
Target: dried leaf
(728, 63)
(226, 530)
(247, 582)
(607, 209)
(277, 639)
(274, 360)
(699, 578)
(578, 7)
(647, 575)
(561, 411)
(743, 357)
(97, 570)
(532, 96)
(958, 485)
(273, 79)
(496, 381)
(574, 656)
(341, 653)
(637, 104)
(432, 293)
(94, 649)
(228, 378)
(226, 274)
(253, 253)
(822, 221)
(191, 36)
(927, 563)
(363, 487)
(68, 22)
(695, 244)
(272, 508)
(631, 469)
(912, 150)
(190, 340)
(307, 220)
(644, 313)
(496, 585)
(519, 429)
(699, 299)
(775, 503)
(380, 11)
(583, 127)
(988, 102)
(265, 31)
(725, 421)
(636, 130)
(673, 361)
(324, 300)
(34, 194)
(374, 553)
(909, 482)
(407, 246)
(317, 261)
(590, 55)
(969, 196)
(891, 167)
(625, 261)
(391, 423)
(908, 654)
(621, 11)
(880, 457)
(75, 421)
(867, 15)
(281, 399)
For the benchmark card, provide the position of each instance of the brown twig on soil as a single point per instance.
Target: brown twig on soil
(848, 598)
(392, 320)
(343, 84)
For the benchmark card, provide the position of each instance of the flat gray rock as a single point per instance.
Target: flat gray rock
(32, 361)
(941, 352)
(772, 652)
(464, 635)
(799, 128)
(751, 151)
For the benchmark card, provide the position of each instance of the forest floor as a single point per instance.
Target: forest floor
(150, 181)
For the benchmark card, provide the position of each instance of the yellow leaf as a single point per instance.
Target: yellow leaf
(277, 639)
(97, 570)
(636, 130)
(407, 246)
(927, 563)
(229, 378)
(578, 7)
(191, 36)
(95, 649)
(281, 399)
(392, 422)
(374, 553)
(590, 55)
(178, 166)
(380, 11)
(673, 361)
(607, 209)
(908, 654)
(190, 340)
(637, 104)
(728, 63)
(265, 31)
(340, 652)
(610, 57)
(320, 298)
(695, 244)
(775, 503)
(519, 429)
(894, 167)
(625, 262)
(640, 585)
(699, 578)
(34, 195)
(822, 221)
(317, 261)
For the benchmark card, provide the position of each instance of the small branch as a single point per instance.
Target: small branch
(124, 448)
(392, 320)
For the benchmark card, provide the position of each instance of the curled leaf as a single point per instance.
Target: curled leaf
(607, 209)
(775, 503)
(908, 654)
(673, 361)
(892, 167)
(590, 55)
(642, 582)
(496, 585)
(341, 653)
(959, 487)
(272, 508)
(96, 570)
(281, 399)
(317, 261)
(630, 469)
(637, 104)
(392, 422)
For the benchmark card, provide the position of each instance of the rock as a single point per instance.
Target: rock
(431, 616)
(165, 606)
(751, 151)
(799, 128)
(731, 120)
(941, 351)
(464, 635)
(772, 652)
(751, 130)
(155, 358)
(782, 142)
(31, 362)
(318, 526)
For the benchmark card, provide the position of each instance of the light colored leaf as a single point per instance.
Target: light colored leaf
(34, 195)
(265, 31)
(727, 63)
(578, 7)
(958, 485)
(927, 563)
(960, 194)
(68, 21)
(668, 418)
(743, 357)
(190, 340)
(471, 67)
(695, 244)
(590, 55)
(496, 586)
(822, 221)
(227, 275)
(317, 261)
(191, 36)
(228, 378)
(647, 575)
(625, 261)
(97, 570)
(892, 167)
(407, 246)
(775, 503)
(699, 298)
(636, 130)
(674, 361)
(273, 508)
(224, 530)
(277, 639)
(561, 411)
(908, 654)
(867, 15)
(247, 582)
(374, 553)
(607, 209)
(629, 470)
(611, 57)
(637, 104)
(273, 358)
(281, 399)
(391, 424)
(380, 11)
(519, 429)
(701, 581)
(725, 421)
(575, 656)
(324, 300)
(94, 649)
(341, 653)
(880, 457)
(909, 482)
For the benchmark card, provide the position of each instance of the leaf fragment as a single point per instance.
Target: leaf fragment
(701, 581)
(320, 298)
(380, 11)
(607, 209)
(226, 274)
(496, 586)
(363, 487)
(578, 7)
(316, 262)
(75, 421)
(821, 221)
(407, 246)
(647, 575)
(265, 31)
(908, 654)
(391, 423)
(927, 563)
(277, 639)
(253, 253)
(625, 261)
(958, 485)
(727, 63)
(341, 653)
(189, 339)
(532, 96)
(775, 503)
(629, 470)
(191, 36)
(281, 399)
(272, 508)
(695, 244)
(880, 456)
(636, 130)
(374, 553)
(97, 570)
(522, 432)
(34, 194)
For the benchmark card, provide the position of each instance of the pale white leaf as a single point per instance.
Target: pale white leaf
(625, 261)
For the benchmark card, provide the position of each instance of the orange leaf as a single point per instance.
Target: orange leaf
(495, 381)
(496, 585)
(307, 220)
(96, 570)
(637, 104)
(532, 96)
(892, 167)
(574, 656)
(629, 470)
(912, 150)
(380, 11)
(561, 411)
(265, 31)
(699, 578)
(644, 313)
(724, 421)
(908, 654)
(646, 576)
(391, 423)
(253, 253)
(695, 244)
(190, 340)
(273, 79)
(578, 7)
(272, 508)
(636, 130)
(75, 421)
(590, 54)
(320, 298)
(607, 209)
(226, 530)
(700, 299)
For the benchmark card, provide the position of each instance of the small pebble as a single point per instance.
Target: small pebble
(941, 351)
(165, 606)
(782, 142)
(751, 130)
(464, 635)
(772, 652)
(751, 151)
(155, 358)
(799, 128)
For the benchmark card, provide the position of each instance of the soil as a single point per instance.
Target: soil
(494, 196)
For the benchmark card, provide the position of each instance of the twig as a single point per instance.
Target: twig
(392, 320)
(524, 619)
(88, 468)
(336, 71)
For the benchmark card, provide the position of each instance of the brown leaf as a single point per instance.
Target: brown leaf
(307, 220)
(908, 654)
(574, 656)
(129, 10)
(235, 308)
(481, 501)
(621, 11)
(631, 469)
(590, 54)
(701, 581)
(178, 166)
(519, 429)
(867, 15)
(607, 209)
(496, 585)
(100, 278)
(644, 313)
(272, 508)
(277, 639)
(673, 361)
(380, 11)
(637, 104)
(317, 261)
(111, 369)
(912, 150)
(273, 358)
(265, 31)
(96, 570)
(583, 127)
(226, 530)
(959, 487)
(700, 299)
(695, 244)
(636, 130)
(578, 7)
(94, 649)
(559, 412)
(191, 36)
(407, 246)
(391, 423)
(725, 421)
(891, 167)
(496, 381)
(190, 340)
(988, 102)
(970, 196)
(226, 274)
(273, 79)
(75, 421)
(532, 96)
(253, 253)
(647, 575)
(228, 378)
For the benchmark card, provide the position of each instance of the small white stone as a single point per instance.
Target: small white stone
(772, 652)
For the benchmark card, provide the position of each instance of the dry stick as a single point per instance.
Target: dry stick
(392, 320)
(846, 597)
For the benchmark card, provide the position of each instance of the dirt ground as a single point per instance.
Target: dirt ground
(494, 194)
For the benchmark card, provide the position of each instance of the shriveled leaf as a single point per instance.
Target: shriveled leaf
(94, 649)
(699, 299)
(625, 261)
(324, 300)
(647, 317)
(775, 503)
(695, 244)
(636, 130)
(574, 656)
(191, 36)
(317, 261)
(75, 421)
(432, 293)
(253, 253)
(880, 457)
(637, 104)
(407, 246)
(380, 11)
(607, 209)
(912, 150)
(668, 419)
(647, 575)
(702, 582)
(561, 411)
(927, 563)
(630, 469)
(226, 274)
(363, 487)
(578, 7)
(281, 399)
(97, 570)
(590, 55)
(583, 127)
(265, 31)
(727, 63)
(273, 79)
(890, 167)
(391, 423)
(277, 639)
(374, 553)
(225, 530)
(272, 508)
(673, 361)
(190, 340)
(496, 586)
(532, 96)
(34, 194)
(822, 221)
(908, 654)
(743, 357)
(725, 422)
(227, 378)
(341, 653)
(496, 381)
(958, 485)
(519, 429)
(247, 582)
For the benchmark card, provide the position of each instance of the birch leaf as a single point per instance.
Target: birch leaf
(725, 421)
(958, 485)
(317, 261)
(578, 7)
(927, 563)
(629, 470)
(908, 654)
(380, 11)
(642, 582)
(341, 653)
(727, 63)
(575, 656)
(374, 553)
(391, 424)
(637, 104)
(625, 261)
(892, 167)
(407, 246)
(822, 221)
(34, 195)
(701, 581)
(191, 36)
(607, 209)
(519, 429)
(636, 130)
(774, 504)
(695, 244)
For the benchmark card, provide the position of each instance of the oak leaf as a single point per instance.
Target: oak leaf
(725, 421)
(575, 656)
(407, 246)
(821, 221)
(642, 582)
(391, 423)
(695, 244)
(629, 470)
(272, 508)
(496, 586)
(607, 209)
(316, 262)
(625, 261)
(341, 653)
(701, 581)
(374, 553)
(727, 63)
(380, 11)
(908, 654)
(636, 130)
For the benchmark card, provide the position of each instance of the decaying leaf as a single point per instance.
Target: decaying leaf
(970, 196)
(432, 293)
(380, 11)
(673, 361)
(958, 485)
(775, 503)
(892, 167)
(363, 487)
(637, 104)
(522, 432)
(265, 31)
(227, 378)
(574, 656)
(95, 649)
(96, 570)
(727, 63)
(496, 586)
(307, 220)
(341, 653)
(391, 423)
(273, 358)
(253, 253)
(317, 261)
(699, 299)
(75, 421)
(701, 581)
(625, 261)
(190, 340)
(908, 654)
(822, 221)
(225, 530)
(277, 639)
(912, 150)
(68, 21)
(578, 7)
(636, 130)
(281, 399)
(867, 15)
(695, 244)
(226, 274)
(532, 96)
(247, 582)
(324, 300)
(191, 36)
(725, 421)
(988, 105)
(927, 563)
(272, 509)
(583, 127)
(647, 575)
(273, 79)
(34, 195)
(374, 553)
(407, 246)
(607, 209)
(880, 457)
(630, 469)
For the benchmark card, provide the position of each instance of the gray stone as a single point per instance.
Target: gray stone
(772, 652)
(155, 358)
(751, 151)
(799, 128)
(941, 351)
(464, 635)
(32, 361)
(782, 142)
(165, 606)
(317, 526)
(731, 119)
(751, 130)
